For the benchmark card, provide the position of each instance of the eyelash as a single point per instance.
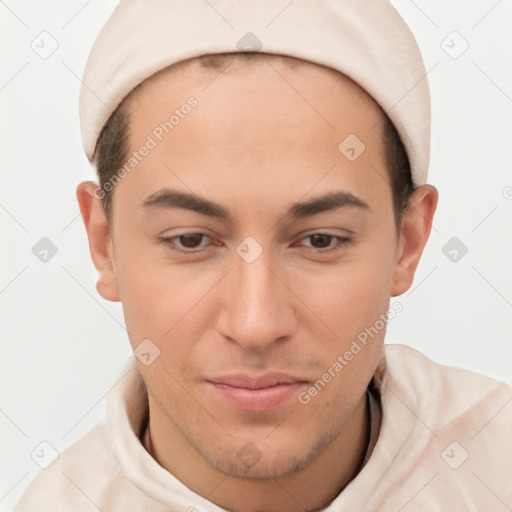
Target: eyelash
(343, 241)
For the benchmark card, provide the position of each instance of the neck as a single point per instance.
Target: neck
(309, 489)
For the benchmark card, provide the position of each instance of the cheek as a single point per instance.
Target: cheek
(352, 329)
(158, 297)
(351, 305)
(352, 301)
(351, 295)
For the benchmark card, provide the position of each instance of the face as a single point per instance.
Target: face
(257, 297)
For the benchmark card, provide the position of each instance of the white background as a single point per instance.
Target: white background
(63, 345)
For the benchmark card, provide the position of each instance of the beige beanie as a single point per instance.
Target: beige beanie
(366, 40)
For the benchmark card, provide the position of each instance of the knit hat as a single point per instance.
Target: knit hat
(366, 40)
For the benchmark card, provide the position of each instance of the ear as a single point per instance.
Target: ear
(414, 233)
(100, 239)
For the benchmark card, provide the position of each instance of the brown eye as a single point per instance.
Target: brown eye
(321, 241)
(186, 243)
(190, 240)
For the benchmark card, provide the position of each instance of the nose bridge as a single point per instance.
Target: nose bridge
(257, 311)
(256, 284)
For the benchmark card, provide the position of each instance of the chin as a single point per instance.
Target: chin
(250, 462)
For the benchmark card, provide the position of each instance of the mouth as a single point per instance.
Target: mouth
(257, 394)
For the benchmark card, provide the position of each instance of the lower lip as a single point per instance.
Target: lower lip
(258, 400)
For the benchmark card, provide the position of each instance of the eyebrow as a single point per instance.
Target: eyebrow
(167, 198)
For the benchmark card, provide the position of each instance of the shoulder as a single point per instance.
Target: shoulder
(75, 477)
(449, 429)
(447, 390)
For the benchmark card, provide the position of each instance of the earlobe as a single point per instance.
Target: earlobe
(100, 239)
(415, 230)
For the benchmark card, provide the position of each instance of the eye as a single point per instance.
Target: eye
(322, 242)
(189, 243)
(185, 243)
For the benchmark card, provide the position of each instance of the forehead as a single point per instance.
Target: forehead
(256, 98)
(247, 77)
(263, 126)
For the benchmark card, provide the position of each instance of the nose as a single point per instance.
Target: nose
(259, 308)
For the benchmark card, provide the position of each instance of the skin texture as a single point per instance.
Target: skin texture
(255, 146)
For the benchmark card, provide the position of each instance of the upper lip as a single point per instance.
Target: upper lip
(266, 380)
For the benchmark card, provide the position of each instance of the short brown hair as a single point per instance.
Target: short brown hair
(113, 143)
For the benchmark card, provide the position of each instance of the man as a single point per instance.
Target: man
(261, 198)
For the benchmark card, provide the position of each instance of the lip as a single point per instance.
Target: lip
(257, 393)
